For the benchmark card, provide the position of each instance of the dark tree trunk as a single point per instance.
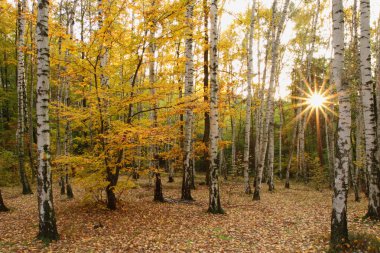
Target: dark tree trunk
(158, 196)
(256, 194)
(3, 208)
(69, 189)
(113, 178)
(62, 184)
(135, 174)
(340, 230)
(187, 185)
(111, 197)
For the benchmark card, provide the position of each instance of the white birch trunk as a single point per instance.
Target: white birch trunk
(371, 141)
(270, 100)
(104, 54)
(233, 145)
(47, 222)
(339, 231)
(188, 165)
(328, 151)
(214, 196)
(21, 94)
(271, 157)
(247, 132)
(280, 138)
(260, 116)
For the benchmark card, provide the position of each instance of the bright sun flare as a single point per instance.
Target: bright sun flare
(316, 100)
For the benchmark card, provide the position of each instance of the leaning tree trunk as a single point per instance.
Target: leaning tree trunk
(264, 110)
(189, 89)
(3, 208)
(214, 196)
(269, 106)
(339, 231)
(371, 141)
(247, 132)
(21, 94)
(260, 114)
(47, 223)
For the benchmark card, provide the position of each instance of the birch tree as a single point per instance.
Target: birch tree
(369, 113)
(247, 132)
(270, 99)
(281, 112)
(214, 196)
(339, 231)
(21, 95)
(206, 52)
(189, 89)
(47, 223)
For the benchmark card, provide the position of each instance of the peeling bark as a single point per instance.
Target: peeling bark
(270, 98)
(248, 114)
(47, 222)
(339, 231)
(21, 95)
(369, 113)
(214, 196)
(188, 165)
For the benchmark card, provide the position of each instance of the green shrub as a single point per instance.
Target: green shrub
(8, 168)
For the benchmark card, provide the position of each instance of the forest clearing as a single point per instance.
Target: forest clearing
(289, 220)
(190, 126)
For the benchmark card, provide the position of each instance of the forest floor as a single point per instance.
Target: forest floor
(288, 220)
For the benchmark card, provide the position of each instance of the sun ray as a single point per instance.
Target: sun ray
(314, 100)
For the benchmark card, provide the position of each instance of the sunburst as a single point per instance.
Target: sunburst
(318, 99)
(315, 101)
